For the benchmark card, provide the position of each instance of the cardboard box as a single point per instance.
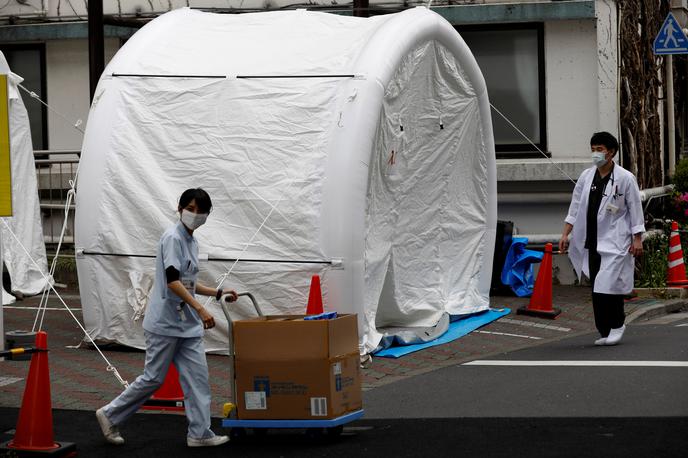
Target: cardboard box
(290, 337)
(289, 368)
(307, 389)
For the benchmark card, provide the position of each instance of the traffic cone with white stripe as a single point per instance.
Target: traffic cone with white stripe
(676, 273)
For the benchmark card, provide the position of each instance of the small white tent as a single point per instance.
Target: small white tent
(25, 221)
(357, 149)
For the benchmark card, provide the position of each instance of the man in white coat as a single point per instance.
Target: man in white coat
(605, 223)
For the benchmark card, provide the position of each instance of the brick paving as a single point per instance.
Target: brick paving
(79, 379)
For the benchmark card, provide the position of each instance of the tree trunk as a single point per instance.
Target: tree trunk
(641, 78)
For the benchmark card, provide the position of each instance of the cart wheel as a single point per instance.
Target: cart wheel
(335, 431)
(260, 432)
(237, 433)
(315, 433)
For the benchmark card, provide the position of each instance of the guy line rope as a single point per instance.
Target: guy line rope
(70, 196)
(46, 292)
(110, 367)
(224, 276)
(533, 144)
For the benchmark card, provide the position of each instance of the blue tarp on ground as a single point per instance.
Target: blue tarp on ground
(518, 267)
(458, 328)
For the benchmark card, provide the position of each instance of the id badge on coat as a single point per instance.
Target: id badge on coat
(189, 284)
(612, 209)
(180, 311)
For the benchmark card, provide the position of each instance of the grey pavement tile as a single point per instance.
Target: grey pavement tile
(79, 379)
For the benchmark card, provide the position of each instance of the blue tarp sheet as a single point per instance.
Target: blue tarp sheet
(458, 328)
(518, 267)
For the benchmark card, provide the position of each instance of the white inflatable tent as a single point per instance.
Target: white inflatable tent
(25, 221)
(357, 149)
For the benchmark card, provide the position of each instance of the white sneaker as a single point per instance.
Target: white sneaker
(601, 341)
(110, 431)
(615, 335)
(207, 442)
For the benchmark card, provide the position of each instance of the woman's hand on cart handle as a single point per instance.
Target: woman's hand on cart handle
(232, 295)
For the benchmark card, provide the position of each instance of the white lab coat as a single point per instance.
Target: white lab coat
(619, 217)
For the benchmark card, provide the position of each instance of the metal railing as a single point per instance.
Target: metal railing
(54, 170)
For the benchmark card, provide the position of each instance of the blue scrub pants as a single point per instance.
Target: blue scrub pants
(188, 356)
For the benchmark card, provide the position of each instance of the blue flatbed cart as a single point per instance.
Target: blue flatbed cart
(315, 428)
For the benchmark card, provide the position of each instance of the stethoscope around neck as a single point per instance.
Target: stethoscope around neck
(593, 188)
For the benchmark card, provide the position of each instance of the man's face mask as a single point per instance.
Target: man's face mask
(599, 155)
(599, 158)
(193, 220)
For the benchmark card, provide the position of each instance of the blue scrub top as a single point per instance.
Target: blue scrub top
(177, 248)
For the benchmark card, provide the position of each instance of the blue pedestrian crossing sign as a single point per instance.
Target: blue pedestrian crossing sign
(671, 39)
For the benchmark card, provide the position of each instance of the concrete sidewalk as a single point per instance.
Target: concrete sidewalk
(80, 380)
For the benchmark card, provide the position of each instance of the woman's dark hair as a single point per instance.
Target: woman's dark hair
(202, 199)
(606, 139)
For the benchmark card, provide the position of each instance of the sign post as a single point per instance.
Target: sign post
(2, 291)
(669, 41)
(5, 178)
(5, 172)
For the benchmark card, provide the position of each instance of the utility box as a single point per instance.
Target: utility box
(503, 240)
(290, 368)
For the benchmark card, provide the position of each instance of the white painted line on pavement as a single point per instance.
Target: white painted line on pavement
(509, 335)
(358, 428)
(8, 380)
(494, 362)
(681, 325)
(534, 325)
(38, 308)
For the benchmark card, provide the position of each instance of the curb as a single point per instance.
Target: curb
(664, 308)
(669, 292)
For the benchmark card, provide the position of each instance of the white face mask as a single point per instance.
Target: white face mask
(193, 220)
(598, 158)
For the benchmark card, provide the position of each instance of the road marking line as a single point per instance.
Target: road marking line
(534, 325)
(358, 428)
(493, 362)
(509, 335)
(37, 308)
(8, 380)
(681, 325)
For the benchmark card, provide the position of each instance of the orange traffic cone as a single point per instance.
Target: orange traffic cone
(169, 396)
(541, 301)
(315, 305)
(34, 433)
(676, 273)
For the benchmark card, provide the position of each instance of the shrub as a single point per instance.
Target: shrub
(651, 267)
(680, 178)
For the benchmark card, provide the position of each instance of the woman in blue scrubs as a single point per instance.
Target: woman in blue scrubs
(173, 328)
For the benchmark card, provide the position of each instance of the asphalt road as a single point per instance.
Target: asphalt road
(155, 435)
(634, 379)
(625, 401)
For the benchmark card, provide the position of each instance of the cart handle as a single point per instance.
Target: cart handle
(225, 304)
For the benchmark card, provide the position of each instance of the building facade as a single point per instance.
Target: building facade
(551, 69)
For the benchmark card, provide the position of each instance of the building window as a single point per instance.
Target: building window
(511, 58)
(28, 61)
